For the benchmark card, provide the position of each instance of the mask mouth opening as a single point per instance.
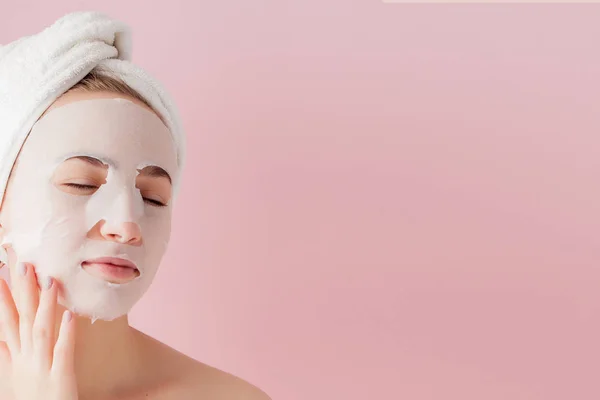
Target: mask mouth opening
(111, 269)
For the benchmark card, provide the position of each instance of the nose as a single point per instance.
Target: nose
(122, 233)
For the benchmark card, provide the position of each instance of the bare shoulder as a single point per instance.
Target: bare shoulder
(186, 378)
(209, 382)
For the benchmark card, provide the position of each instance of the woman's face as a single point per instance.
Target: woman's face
(91, 190)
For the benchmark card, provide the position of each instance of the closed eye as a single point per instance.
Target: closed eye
(153, 202)
(80, 186)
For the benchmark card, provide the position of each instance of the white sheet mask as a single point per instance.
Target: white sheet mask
(49, 227)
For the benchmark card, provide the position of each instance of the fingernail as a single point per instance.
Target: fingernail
(67, 316)
(47, 282)
(22, 269)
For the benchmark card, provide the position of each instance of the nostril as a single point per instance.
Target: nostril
(125, 233)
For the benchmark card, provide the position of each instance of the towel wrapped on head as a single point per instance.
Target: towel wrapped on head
(36, 70)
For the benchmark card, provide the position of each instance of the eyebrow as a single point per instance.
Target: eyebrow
(155, 172)
(151, 170)
(90, 160)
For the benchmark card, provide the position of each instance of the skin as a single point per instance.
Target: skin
(48, 353)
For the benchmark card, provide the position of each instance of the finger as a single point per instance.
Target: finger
(64, 350)
(4, 357)
(26, 293)
(9, 318)
(43, 332)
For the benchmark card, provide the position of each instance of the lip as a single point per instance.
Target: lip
(111, 269)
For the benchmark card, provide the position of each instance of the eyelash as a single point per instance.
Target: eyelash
(152, 202)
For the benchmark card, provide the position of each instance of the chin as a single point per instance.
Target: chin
(97, 299)
(95, 312)
(106, 302)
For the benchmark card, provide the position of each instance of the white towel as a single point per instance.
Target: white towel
(36, 70)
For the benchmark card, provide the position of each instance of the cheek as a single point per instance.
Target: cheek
(156, 232)
(52, 214)
(67, 211)
(23, 209)
(157, 228)
(47, 234)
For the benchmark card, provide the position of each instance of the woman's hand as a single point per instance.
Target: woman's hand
(34, 364)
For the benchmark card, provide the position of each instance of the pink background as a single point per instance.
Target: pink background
(381, 200)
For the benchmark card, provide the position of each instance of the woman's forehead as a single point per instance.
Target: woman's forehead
(111, 128)
(76, 95)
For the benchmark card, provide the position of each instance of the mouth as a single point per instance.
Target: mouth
(111, 269)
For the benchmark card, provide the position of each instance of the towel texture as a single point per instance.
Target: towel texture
(36, 70)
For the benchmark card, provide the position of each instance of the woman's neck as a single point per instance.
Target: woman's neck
(107, 358)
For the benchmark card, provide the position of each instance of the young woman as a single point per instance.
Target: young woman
(85, 219)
